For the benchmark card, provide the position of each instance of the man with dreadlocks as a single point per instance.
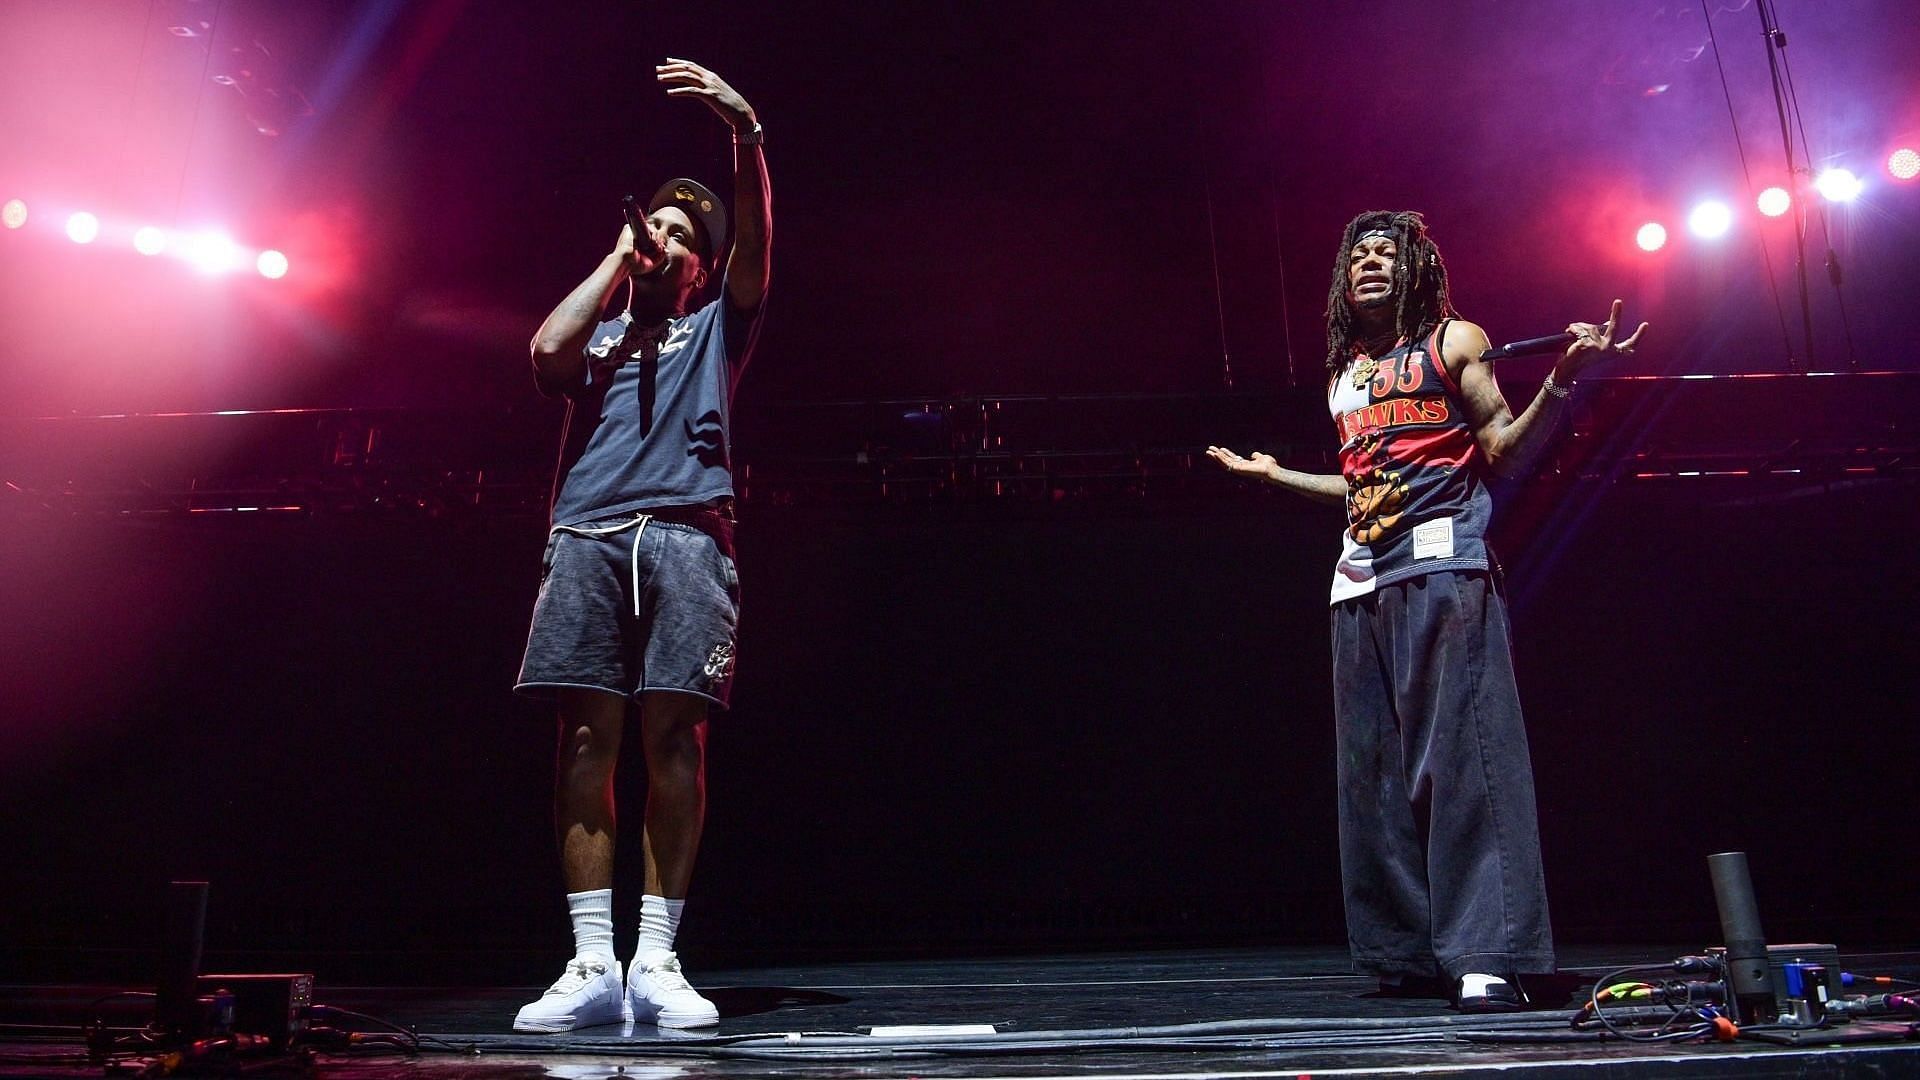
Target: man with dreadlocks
(1439, 846)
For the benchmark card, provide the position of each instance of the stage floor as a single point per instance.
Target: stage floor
(1238, 1013)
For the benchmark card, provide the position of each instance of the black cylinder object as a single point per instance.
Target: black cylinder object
(177, 1003)
(1746, 946)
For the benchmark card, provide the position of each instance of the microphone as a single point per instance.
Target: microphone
(1530, 347)
(643, 244)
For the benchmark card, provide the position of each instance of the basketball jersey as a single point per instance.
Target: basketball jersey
(1415, 499)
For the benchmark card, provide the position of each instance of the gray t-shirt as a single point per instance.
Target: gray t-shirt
(652, 428)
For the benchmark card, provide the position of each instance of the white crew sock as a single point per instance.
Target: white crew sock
(592, 913)
(659, 922)
(1474, 984)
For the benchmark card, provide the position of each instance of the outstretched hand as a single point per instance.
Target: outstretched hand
(1593, 343)
(684, 78)
(1259, 466)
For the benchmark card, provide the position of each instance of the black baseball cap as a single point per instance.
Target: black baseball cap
(699, 204)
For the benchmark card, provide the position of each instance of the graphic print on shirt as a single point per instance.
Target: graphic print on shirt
(679, 333)
(1375, 492)
(649, 425)
(641, 346)
(1415, 501)
(601, 361)
(707, 440)
(1377, 489)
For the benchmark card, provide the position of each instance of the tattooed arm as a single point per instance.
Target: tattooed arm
(1513, 444)
(559, 360)
(1320, 487)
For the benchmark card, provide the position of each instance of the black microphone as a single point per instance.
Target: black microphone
(643, 244)
(1532, 346)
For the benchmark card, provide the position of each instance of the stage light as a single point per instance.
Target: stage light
(148, 240)
(1774, 201)
(213, 253)
(82, 227)
(1903, 163)
(1838, 185)
(14, 214)
(271, 264)
(1710, 219)
(1651, 237)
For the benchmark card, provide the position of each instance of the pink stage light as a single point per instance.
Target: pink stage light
(1839, 185)
(148, 240)
(1651, 237)
(82, 227)
(14, 214)
(1774, 201)
(1903, 163)
(271, 264)
(213, 253)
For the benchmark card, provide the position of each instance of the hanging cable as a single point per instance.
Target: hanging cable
(1280, 259)
(121, 171)
(199, 99)
(1778, 39)
(1766, 258)
(1219, 301)
(1800, 205)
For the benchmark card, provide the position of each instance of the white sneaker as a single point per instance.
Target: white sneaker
(658, 994)
(589, 992)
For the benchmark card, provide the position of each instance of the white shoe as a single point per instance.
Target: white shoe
(658, 994)
(589, 992)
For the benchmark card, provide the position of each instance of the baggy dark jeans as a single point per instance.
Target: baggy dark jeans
(1439, 841)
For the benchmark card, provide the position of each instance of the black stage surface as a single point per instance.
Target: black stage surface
(1240, 1012)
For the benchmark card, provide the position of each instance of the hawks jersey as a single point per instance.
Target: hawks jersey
(1415, 499)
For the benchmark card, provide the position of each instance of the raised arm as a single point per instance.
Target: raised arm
(747, 266)
(1320, 487)
(1512, 444)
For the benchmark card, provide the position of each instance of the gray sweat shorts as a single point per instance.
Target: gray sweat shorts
(633, 604)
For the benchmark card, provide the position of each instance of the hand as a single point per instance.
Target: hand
(1593, 344)
(1259, 466)
(629, 255)
(684, 78)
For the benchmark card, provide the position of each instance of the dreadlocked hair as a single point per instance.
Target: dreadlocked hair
(1419, 283)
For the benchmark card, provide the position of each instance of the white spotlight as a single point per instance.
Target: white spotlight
(82, 227)
(271, 264)
(213, 253)
(14, 214)
(1710, 219)
(1838, 185)
(1774, 201)
(1651, 237)
(148, 240)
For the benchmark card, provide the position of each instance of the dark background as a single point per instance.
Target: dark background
(960, 726)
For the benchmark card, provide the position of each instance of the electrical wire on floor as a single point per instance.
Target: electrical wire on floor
(1698, 1003)
(152, 1052)
(1276, 1034)
(1677, 1002)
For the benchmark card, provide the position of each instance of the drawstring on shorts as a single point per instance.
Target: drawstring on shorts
(638, 525)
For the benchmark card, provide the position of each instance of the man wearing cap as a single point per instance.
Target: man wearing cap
(1439, 842)
(638, 598)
